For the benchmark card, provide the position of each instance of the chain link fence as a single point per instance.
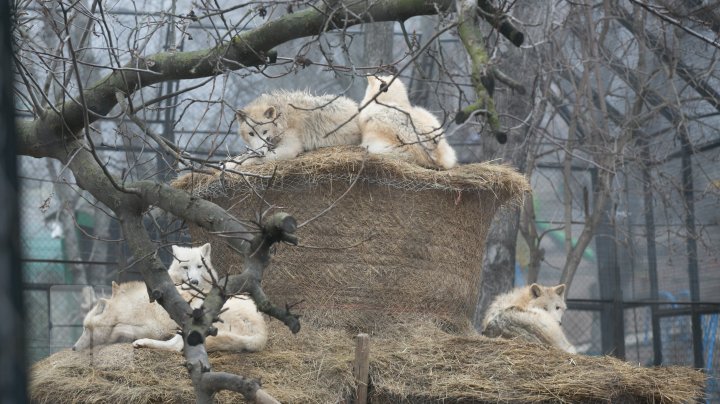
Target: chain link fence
(646, 289)
(61, 258)
(72, 251)
(585, 329)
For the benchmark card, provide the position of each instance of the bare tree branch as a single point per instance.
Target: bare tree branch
(251, 48)
(481, 77)
(692, 77)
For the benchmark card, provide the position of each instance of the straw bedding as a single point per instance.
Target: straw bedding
(308, 368)
(435, 366)
(414, 362)
(397, 257)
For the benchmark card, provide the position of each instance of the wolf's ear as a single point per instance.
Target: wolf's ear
(205, 250)
(115, 288)
(560, 289)
(100, 306)
(384, 85)
(536, 290)
(374, 81)
(271, 112)
(175, 251)
(241, 115)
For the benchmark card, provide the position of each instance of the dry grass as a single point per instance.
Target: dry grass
(112, 374)
(414, 362)
(345, 162)
(429, 365)
(310, 367)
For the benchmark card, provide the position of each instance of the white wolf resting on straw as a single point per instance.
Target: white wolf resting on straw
(282, 124)
(533, 313)
(391, 125)
(130, 316)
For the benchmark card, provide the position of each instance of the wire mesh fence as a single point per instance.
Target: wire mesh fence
(62, 260)
(55, 315)
(587, 328)
(582, 328)
(646, 287)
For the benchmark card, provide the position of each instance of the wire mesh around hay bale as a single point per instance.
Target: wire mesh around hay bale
(400, 240)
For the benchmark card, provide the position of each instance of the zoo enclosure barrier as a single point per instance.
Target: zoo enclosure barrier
(649, 333)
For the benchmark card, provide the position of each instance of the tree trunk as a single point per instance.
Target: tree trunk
(499, 261)
(379, 43)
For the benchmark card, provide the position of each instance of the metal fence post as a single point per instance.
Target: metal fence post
(12, 328)
(612, 316)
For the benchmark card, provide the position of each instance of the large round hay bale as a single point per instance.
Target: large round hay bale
(399, 241)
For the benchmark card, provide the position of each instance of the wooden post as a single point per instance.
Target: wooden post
(361, 368)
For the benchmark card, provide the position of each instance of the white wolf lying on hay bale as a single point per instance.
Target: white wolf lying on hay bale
(391, 125)
(282, 124)
(532, 313)
(130, 316)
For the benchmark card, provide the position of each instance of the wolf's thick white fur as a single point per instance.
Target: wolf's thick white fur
(532, 313)
(391, 125)
(129, 316)
(282, 124)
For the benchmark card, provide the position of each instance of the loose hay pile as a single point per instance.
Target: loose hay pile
(432, 366)
(397, 257)
(412, 363)
(401, 240)
(309, 368)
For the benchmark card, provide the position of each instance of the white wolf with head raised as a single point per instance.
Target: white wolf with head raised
(533, 313)
(192, 265)
(391, 125)
(282, 124)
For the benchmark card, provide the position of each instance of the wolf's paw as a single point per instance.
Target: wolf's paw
(141, 343)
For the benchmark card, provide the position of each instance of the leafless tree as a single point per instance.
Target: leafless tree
(617, 76)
